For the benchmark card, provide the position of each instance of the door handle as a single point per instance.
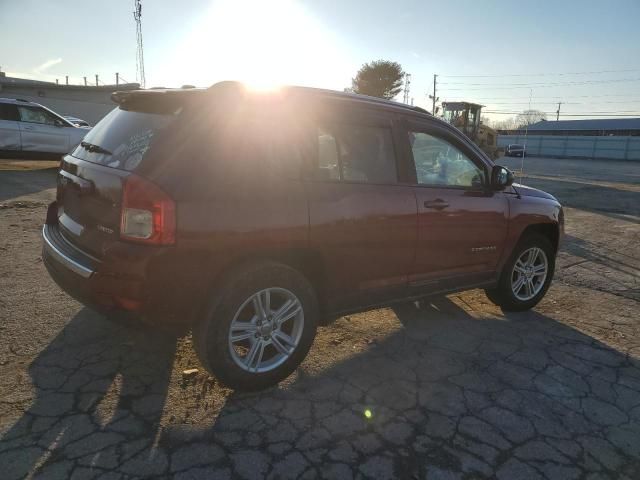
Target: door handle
(437, 204)
(27, 127)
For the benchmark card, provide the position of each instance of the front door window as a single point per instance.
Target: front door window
(36, 115)
(438, 163)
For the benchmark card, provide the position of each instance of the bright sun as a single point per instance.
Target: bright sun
(263, 43)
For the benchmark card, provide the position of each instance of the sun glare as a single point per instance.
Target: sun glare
(262, 43)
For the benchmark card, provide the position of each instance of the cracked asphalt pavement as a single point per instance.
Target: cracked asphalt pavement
(447, 388)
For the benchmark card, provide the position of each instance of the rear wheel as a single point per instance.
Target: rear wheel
(260, 328)
(526, 276)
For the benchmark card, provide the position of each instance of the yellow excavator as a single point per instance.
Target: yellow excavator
(466, 117)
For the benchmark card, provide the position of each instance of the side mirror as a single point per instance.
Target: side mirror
(501, 177)
(58, 123)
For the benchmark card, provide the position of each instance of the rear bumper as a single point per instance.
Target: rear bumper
(70, 269)
(55, 251)
(150, 283)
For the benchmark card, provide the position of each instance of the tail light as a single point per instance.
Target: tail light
(148, 214)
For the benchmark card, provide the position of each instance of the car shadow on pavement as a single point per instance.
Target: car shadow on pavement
(617, 203)
(448, 391)
(620, 268)
(626, 263)
(100, 390)
(453, 392)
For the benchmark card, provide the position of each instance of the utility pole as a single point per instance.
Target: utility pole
(85, 81)
(117, 79)
(96, 79)
(66, 79)
(56, 81)
(558, 111)
(433, 97)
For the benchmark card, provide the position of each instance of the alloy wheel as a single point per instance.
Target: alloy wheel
(529, 274)
(266, 330)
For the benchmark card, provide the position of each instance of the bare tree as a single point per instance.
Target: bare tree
(506, 124)
(529, 117)
(486, 121)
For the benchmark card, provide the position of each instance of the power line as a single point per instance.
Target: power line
(534, 103)
(548, 74)
(594, 112)
(589, 114)
(573, 114)
(565, 103)
(558, 97)
(577, 82)
(490, 86)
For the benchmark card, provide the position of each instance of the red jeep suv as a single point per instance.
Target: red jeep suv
(250, 216)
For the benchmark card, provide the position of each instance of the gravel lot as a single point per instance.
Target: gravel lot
(454, 388)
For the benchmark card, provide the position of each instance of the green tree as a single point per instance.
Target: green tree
(380, 78)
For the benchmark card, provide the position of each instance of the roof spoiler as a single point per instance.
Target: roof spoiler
(129, 96)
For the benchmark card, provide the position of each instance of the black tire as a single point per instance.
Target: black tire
(210, 336)
(503, 295)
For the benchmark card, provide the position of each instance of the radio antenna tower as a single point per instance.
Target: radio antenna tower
(137, 16)
(407, 84)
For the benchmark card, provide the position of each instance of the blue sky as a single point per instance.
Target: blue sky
(322, 43)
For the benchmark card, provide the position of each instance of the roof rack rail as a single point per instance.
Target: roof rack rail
(239, 86)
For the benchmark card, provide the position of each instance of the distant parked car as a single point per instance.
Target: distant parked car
(30, 127)
(78, 122)
(515, 150)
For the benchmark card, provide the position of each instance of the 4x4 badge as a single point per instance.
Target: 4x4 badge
(490, 248)
(105, 229)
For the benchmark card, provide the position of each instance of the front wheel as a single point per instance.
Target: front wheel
(526, 276)
(260, 329)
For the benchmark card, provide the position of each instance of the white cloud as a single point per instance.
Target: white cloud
(47, 65)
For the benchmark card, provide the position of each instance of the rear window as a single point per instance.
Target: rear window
(122, 138)
(9, 112)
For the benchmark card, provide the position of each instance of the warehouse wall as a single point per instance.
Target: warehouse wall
(87, 103)
(612, 148)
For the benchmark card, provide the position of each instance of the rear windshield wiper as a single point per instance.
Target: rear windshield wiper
(90, 147)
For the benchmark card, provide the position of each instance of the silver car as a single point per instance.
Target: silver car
(30, 127)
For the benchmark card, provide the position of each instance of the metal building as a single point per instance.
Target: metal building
(596, 126)
(90, 103)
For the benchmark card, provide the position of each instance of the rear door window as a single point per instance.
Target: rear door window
(356, 153)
